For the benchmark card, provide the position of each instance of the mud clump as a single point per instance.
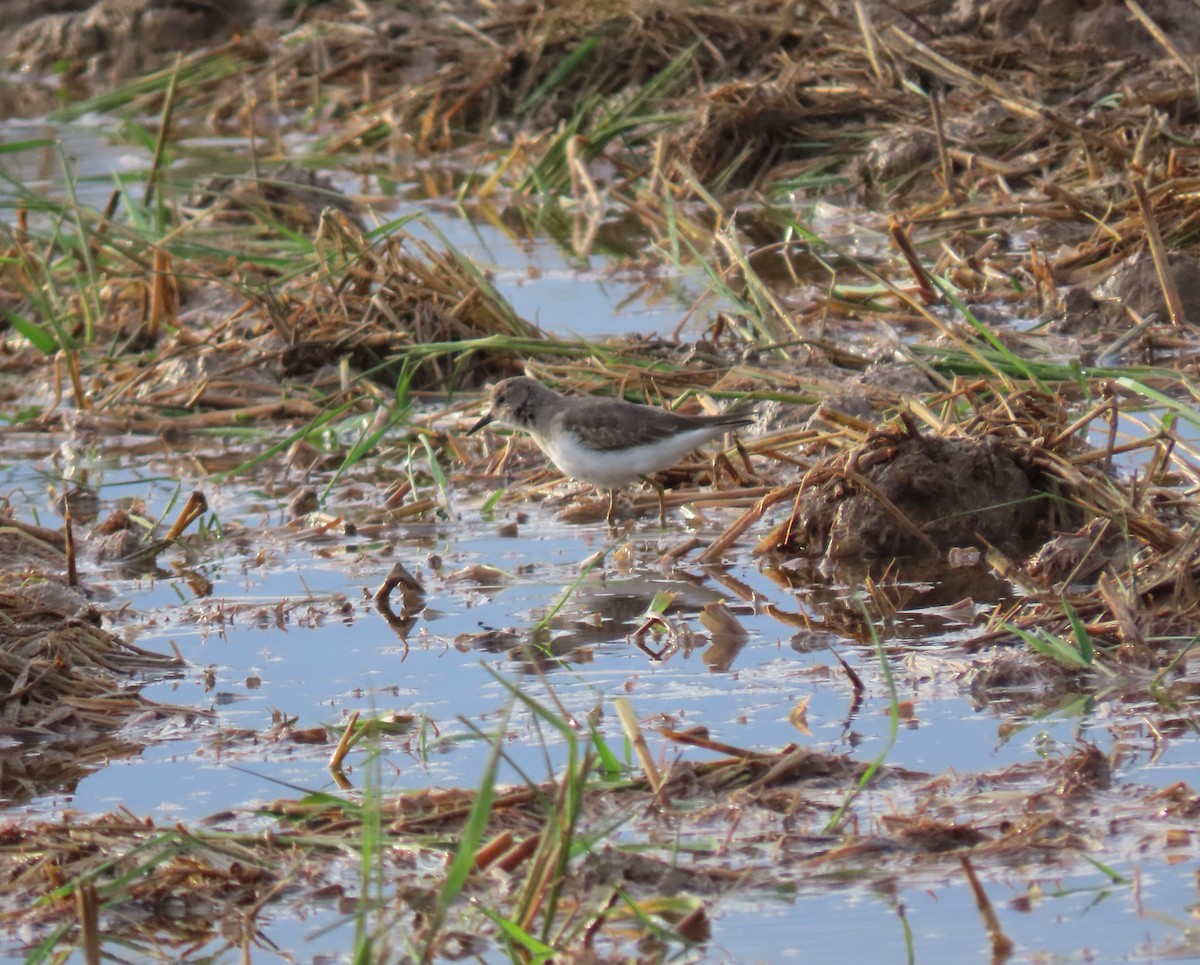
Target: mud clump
(289, 196)
(1081, 556)
(1133, 291)
(1088, 24)
(1136, 284)
(923, 495)
(117, 37)
(897, 153)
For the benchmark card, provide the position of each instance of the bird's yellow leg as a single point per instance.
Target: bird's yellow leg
(662, 493)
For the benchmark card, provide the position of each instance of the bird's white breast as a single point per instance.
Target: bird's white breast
(620, 467)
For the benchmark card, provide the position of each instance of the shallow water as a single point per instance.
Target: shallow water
(86, 149)
(335, 655)
(331, 654)
(544, 280)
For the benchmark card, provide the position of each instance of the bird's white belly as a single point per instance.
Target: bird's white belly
(620, 467)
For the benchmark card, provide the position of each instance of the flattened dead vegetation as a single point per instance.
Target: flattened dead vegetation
(546, 848)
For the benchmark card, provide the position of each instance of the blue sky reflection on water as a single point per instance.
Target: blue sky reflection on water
(1086, 918)
(325, 664)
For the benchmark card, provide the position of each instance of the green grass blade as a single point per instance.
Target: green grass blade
(469, 841)
(33, 144)
(1083, 639)
(1116, 876)
(610, 764)
(584, 570)
(1005, 353)
(893, 724)
(436, 471)
(1050, 646)
(372, 845)
(365, 442)
(37, 336)
(1184, 410)
(565, 67)
(195, 70)
(325, 417)
(537, 950)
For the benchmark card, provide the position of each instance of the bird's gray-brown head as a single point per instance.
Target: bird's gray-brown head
(518, 403)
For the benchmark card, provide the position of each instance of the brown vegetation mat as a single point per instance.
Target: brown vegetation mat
(1035, 167)
(1010, 471)
(68, 685)
(59, 669)
(68, 692)
(171, 885)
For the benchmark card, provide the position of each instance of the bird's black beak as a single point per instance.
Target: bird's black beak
(488, 418)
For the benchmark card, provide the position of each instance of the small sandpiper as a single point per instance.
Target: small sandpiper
(606, 442)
